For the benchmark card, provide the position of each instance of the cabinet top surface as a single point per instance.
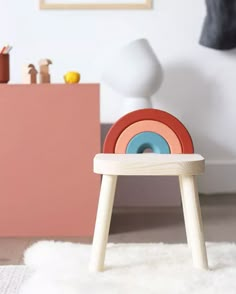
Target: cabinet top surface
(49, 90)
(9, 85)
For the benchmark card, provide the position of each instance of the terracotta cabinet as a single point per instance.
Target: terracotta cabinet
(49, 135)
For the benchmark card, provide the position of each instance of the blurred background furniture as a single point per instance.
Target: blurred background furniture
(49, 135)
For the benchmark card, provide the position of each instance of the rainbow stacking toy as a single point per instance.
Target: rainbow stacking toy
(148, 129)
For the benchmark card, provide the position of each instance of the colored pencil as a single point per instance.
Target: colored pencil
(8, 49)
(3, 50)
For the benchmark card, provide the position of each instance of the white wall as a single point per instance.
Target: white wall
(199, 86)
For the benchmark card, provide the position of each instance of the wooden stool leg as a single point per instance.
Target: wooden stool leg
(103, 221)
(194, 221)
(184, 212)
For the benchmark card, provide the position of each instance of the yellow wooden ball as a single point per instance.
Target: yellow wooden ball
(72, 77)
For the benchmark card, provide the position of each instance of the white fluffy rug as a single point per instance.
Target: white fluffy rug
(61, 268)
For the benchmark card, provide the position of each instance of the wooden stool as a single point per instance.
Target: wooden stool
(185, 166)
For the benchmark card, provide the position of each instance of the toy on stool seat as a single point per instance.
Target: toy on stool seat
(148, 120)
(163, 133)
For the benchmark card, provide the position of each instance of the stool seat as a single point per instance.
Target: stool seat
(149, 164)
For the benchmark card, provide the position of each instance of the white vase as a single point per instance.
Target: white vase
(136, 73)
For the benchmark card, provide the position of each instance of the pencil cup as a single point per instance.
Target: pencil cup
(4, 68)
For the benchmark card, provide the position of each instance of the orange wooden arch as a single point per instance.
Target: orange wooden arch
(148, 126)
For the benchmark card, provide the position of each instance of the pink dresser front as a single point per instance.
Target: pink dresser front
(49, 135)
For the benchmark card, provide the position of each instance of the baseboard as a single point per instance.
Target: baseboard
(146, 191)
(219, 177)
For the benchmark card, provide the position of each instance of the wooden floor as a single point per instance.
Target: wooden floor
(148, 225)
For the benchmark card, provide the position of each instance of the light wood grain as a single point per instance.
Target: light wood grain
(193, 219)
(149, 164)
(103, 221)
(146, 5)
(184, 211)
